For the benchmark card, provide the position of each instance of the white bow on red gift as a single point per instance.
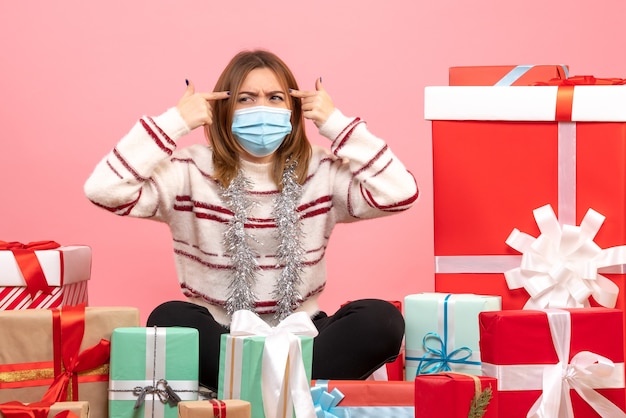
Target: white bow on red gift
(284, 380)
(559, 269)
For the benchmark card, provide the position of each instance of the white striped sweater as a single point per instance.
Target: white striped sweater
(145, 176)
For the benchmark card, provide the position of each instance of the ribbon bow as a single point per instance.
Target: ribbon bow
(585, 370)
(17, 409)
(559, 269)
(438, 360)
(163, 390)
(29, 265)
(325, 402)
(69, 327)
(282, 365)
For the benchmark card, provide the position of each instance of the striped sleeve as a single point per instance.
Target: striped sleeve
(379, 183)
(123, 181)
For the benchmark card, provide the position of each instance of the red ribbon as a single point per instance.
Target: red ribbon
(219, 408)
(68, 326)
(15, 409)
(565, 93)
(29, 264)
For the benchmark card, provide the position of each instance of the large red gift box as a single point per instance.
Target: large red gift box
(501, 152)
(43, 275)
(554, 355)
(451, 395)
(505, 75)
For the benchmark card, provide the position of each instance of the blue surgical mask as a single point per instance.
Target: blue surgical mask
(261, 129)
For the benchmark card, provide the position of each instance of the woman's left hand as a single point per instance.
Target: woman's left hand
(316, 105)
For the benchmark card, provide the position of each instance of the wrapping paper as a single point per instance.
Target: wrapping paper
(499, 153)
(64, 272)
(38, 409)
(229, 408)
(29, 358)
(450, 395)
(360, 398)
(505, 75)
(270, 367)
(442, 333)
(517, 348)
(147, 364)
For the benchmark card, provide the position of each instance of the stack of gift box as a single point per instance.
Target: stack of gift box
(527, 316)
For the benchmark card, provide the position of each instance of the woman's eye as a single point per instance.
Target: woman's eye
(277, 98)
(245, 99)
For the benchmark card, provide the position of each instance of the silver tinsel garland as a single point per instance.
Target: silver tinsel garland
(290, 252)
(243, 258)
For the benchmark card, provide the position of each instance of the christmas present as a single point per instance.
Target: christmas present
(362, 398)
(505, 75)
(44, 410)
(43, 274)
(455, 395)
(215, 408)
(555, 362)
(441, 332)
(501, 152)
(270, 367)
(54, 355)
(152, 369)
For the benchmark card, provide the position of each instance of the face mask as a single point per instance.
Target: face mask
(260, 129)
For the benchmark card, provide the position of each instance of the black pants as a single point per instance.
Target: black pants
(359, 338)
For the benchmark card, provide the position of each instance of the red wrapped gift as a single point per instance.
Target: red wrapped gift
(356, 398)
(504, 75)
(562, 361)
(455, 395)
(501, 152)
(43, 274)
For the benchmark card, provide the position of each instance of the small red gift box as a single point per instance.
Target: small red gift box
(506, 75)
(43, 274)
(560, 360)
(454, 395)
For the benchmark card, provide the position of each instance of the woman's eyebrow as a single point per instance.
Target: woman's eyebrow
(269, 93)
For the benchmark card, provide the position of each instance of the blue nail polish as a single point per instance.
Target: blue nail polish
(186, 82)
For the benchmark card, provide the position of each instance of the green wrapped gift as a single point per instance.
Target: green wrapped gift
(151, 370)
(268, 367)
(442, 332)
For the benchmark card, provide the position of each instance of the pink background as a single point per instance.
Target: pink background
(76, 75)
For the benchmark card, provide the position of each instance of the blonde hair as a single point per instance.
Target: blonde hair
(226, 149)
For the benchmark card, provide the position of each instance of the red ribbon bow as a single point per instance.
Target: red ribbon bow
(17, 409)
(29, 264)
(219, 408)
(565, 93)
(68, 330)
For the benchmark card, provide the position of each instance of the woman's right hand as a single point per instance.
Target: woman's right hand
(195, 108)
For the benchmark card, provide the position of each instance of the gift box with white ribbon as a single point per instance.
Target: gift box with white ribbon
(501, 152)
(555, 362)
(270, 367)
(43, 275)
